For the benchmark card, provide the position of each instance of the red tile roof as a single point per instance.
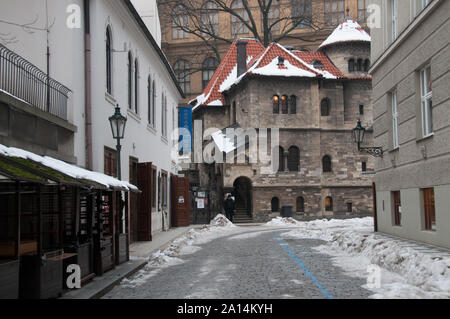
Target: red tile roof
(263, 61)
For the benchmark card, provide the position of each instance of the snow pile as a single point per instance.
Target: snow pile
(283, 222)
(325, 229)
(405, 271)
(67, 169)
(347, 31)
(431, 274)
(184, 245)
(222, 221)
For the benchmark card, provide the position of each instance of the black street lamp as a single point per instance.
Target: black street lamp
(359, 133)
(118, 123)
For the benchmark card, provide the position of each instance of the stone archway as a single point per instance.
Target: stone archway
(243, 196)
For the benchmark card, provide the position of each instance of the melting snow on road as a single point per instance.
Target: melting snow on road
(407, 270)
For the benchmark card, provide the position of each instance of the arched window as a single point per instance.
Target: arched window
(293, 104)
(329, 204)
(284, 104)
(359, 66)
(153, 103)
(136, 85)
(351, 65)
(281, 159)
(150, 99)
(108, 61)
(209, 67)
(275, 204)
(325, 107)
(210, 18)
(366, 65)
(182, 71)
(300, 204)
(326, 164)
(130, 81)
(276, 104)
(237, 24)
(294, 159)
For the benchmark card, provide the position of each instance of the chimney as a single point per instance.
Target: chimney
(241, 57)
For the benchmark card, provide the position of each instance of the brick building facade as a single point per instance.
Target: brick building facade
(189, 56)
(315, 100)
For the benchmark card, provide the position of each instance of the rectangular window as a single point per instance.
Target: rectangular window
(181, 24)
(364, 166)
(397, 208)
(394, 17)
(394, 103)
(362, 11)
(429, 209)
(349, 207)
(426, 101)
(334, 11)
(361, 110)
(110, 162)
(302, 13)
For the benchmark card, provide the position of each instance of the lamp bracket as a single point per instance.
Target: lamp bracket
(374, 151)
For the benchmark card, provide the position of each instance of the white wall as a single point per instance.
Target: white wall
(141, 141)
(148, 10)
(66, 49)
(67, 66)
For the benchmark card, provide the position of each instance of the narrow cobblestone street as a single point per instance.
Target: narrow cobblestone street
(255, 264)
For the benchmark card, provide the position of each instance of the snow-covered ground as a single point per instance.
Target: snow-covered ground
(394, 269)
(220, 226)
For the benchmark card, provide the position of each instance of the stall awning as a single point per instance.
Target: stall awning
(19, 164)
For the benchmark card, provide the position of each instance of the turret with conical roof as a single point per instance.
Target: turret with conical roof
(349, 48)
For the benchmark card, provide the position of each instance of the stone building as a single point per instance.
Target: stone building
(315, 100)
(411, 108)
(195, 63)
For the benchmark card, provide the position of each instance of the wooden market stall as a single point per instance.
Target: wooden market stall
(49, 220)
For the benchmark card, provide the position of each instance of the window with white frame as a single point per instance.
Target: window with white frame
(394, 17)
(394, 102)
(426, 101)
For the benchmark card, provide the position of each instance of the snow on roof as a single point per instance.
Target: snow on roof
(348, 31)
(225, 73)
(264, 62)
(224, 143)
(67, 169)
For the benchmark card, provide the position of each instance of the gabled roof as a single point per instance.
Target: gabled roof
(347, 31)
(225, 73)
(275, 60)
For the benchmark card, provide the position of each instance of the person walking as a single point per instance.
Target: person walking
(228, 206)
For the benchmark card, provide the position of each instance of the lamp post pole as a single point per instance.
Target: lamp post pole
(118, 148)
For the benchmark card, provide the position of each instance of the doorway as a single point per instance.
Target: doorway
(243, 196)
(133, 200)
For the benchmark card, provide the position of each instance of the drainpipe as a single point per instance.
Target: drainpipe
(375, 219)
(87, 85)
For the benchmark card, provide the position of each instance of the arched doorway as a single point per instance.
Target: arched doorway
(243, 196)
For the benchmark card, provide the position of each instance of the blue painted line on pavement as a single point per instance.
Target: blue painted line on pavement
(304, 268)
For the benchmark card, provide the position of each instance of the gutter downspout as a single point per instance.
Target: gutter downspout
(87, 85)
(375, 217)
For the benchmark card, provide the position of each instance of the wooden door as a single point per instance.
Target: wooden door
(133, 201)
(180, 201)
(144, 181)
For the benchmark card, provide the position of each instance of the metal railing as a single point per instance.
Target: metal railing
(27, 82)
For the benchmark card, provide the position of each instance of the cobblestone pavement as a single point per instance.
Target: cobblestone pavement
(255, 265)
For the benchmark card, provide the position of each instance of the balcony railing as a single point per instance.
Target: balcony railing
(27, 82)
